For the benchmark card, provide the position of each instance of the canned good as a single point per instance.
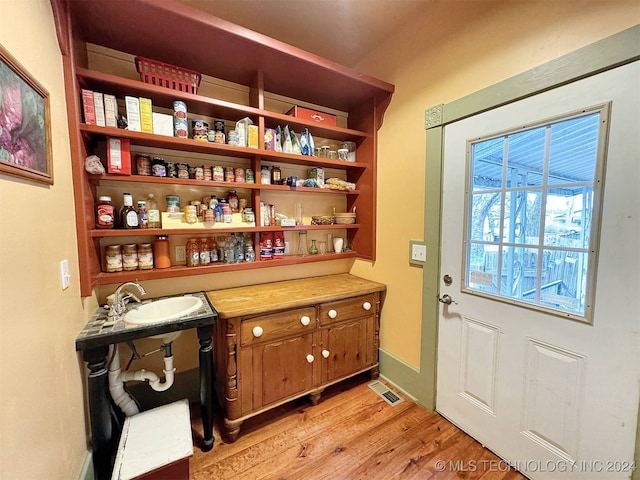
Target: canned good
(239, 173)
(218, 174)
(158, 167)
(249, 176)
(229, 174)
(173, 203)
(180, 128)
(180, 110)
(232, 137)
(199, 129)
(207, 173)
(183, 170)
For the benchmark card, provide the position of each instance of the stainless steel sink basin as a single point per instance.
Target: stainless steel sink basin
(163, 310)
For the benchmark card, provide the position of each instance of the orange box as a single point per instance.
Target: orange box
(118, 156)
(313, 115)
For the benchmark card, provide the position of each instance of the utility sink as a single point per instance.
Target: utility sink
(163, 310)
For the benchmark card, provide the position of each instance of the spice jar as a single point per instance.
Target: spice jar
(130, 257)
(192, 249)
(113, 258)
(161, 258)
(145, 256)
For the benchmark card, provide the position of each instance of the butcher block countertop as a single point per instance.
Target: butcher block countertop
(258, 299)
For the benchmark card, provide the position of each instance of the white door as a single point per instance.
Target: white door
(556, 398)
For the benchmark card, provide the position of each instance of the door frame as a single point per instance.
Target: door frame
(611, 52)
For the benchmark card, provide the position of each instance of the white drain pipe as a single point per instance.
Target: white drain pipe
(117, 378)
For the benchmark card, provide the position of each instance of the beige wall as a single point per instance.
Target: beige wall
(453, 49)
(42, 420)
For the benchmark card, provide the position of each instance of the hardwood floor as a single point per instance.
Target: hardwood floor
(351, 434)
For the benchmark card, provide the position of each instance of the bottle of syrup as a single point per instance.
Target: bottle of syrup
(128, 214)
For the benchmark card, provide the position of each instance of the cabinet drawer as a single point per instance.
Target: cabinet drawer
(277, 325)
(347, 309)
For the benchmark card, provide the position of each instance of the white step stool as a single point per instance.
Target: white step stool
(156, 444)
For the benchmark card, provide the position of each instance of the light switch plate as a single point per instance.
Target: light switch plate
(417, 252)
(65, 276)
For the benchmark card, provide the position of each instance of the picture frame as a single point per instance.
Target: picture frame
(25, 123)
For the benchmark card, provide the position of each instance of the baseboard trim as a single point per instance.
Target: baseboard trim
(86, 473)
(406, 378)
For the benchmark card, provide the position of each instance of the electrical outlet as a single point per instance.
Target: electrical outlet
(180, 253)
(417, 253)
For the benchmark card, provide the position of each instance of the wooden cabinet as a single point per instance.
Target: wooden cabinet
(267, 69)
(279, 341)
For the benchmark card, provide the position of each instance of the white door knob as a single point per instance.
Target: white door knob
(332, 313)
(310, 358)
(366, 306)
(257, 331)
(325, 353)
(305, 320)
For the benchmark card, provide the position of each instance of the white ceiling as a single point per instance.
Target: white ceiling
(341, 30)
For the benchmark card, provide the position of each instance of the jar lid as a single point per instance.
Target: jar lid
(105, 198)
(162, 237)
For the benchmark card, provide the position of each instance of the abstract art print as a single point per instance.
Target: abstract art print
(25, 137)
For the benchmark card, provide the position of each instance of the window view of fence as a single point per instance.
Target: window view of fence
(530, 213)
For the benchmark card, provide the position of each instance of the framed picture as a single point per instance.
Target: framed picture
(25, 126)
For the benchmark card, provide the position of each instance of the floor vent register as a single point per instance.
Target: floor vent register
(387, 395)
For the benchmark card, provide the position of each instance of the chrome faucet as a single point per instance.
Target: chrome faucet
(120, 301)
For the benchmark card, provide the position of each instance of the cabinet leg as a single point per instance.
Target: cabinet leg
(206, 384)
(103, 436)
(374, 373)
(315, 396)
(232, 428)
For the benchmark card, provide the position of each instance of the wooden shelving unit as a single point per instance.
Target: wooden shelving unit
(165, 31)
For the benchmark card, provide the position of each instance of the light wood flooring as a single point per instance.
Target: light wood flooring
(351, 434)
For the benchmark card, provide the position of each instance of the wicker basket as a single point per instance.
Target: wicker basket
(345, 218)
(322, 220)
(169, 76)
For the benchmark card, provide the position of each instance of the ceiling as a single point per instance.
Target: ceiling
(341, 30)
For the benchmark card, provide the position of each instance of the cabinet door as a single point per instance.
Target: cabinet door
(276, 370)
(347, 348)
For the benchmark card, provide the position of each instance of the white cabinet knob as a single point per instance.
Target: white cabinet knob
(257, 331)
(325, 353)
(366, 306)
(305, 320)
(332, 313)
(310, 358)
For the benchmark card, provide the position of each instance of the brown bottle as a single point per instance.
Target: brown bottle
(128, 214)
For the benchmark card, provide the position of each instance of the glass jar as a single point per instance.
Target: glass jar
(265, 176)
(143, 164)
(145, 256)
(192, 252)
(313, 249)
(234, 201)
(276, 175)
(106, 213)
(113, 258)
(130, 257)
(161, 257)
(249, 252)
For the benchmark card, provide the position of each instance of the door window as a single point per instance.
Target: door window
(532, 213)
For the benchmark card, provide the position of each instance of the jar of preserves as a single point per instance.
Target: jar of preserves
(192, 250)
(113, 258)
(105, 213)
(161, 258)
(130, 257)
(145, 256)
(143, 164)
(234, 201)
